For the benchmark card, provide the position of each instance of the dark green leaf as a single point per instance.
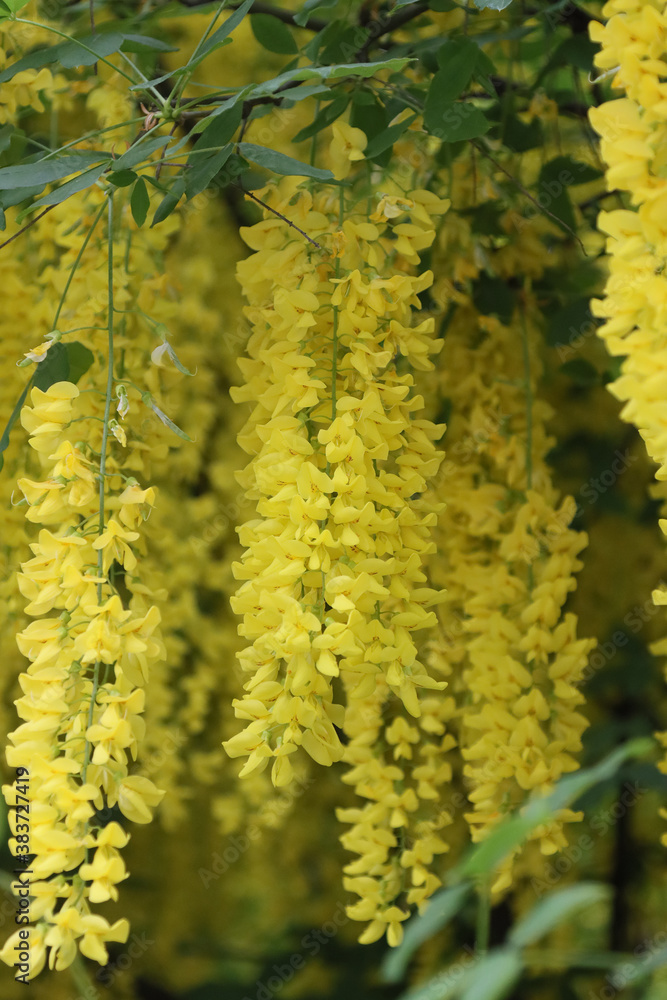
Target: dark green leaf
(140, 151)
(457, 59)
(87, 50)
(4, 440)
(552, 191)
(41, 57)
(3, 220)
(220, 128)
(325, 117)
(337, 72)
(122, 178)
(581, 371)
(494, 297)
(572, 324)
(371, 116)
(139, 202)
(387, 138)
(444, 905)
(17, 195)
(273, 34)
(47, 170)
(310, 7)
(344, 45)
(77, 184)
(279, 163)
(204, 170)
(551, 911)
(455, 122)
(581, 173)
(6, 133)
(80, 359)
(520, 136)
(144, 43)
(220, 36)
(54, 368)
(168, 203)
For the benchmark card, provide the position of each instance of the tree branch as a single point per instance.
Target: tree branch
(286, 16)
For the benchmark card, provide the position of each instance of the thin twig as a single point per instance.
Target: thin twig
(286, 16)
(527, 193)
(27, 226)
(158, 169)
(259, 201)
(379, 28)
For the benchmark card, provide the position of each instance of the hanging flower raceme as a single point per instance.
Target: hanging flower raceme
(633, 132)
(83, 694)
(333, 564)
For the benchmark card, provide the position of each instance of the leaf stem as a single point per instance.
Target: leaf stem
(103, 463)
(76, 263)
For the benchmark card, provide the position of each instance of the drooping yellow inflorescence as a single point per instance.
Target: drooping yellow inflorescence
(333, 566)
(83, 693)
(633, 133)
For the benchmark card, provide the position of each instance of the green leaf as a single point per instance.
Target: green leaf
(494, 297)
(54, 368)
(168, 203)
(457, 59)
(76, 53)
(494, 4)
(455, 122)
(273, 34)
(149, 401)
(80, 359)
(4, 440)
(139, 151)
(337, 72)
(202, 166)
(205, 169)
(494, 976)
(552, 188)
(219, 37)
(3, 220)
(279, 163)
(47, 170)
(6, 133)
(219, 129)
(310, 7)
(144, 43)
(520, 136)
(581, 371)
(510, 834)
(16, 5)
(122, 178)
(387, 138)
(444, 905)
(325, 117)
(79, 183)
(140, 202)
(551, 911)
(17, 195)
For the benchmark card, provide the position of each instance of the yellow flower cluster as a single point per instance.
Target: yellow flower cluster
(333, 567)
(506, 553)
(633, 133)
(83, 694)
